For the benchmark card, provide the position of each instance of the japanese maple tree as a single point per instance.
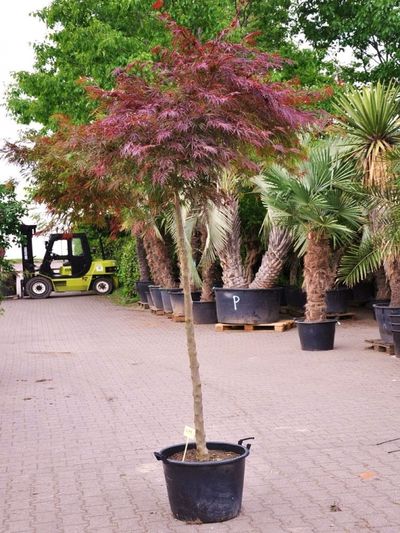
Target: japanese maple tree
(176, 123)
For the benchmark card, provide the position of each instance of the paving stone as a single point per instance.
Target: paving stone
(109, 385)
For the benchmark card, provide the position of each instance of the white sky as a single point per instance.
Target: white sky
(18, 31)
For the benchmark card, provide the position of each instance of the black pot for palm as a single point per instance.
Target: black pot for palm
(247, 306)
(371, 305)
(177, 301)
(363, 292)
(141, 288)
(204, 313)
(295, 298)
(166, 299)
(382, 314)
(149, 299)
(395, 323)
(156, 297)
(337, 300)
(207, 491)
(318, 335)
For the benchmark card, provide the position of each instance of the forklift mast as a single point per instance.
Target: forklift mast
(28, 263)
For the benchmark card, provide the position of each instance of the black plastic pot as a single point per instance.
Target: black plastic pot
(395, 322)
(166, 300)
(382, 314)
(178, 304)
(149, 299)
(156, 297)
(208, 491)
(295, 297)
(371, 305)
(247, 306)
(316, 336)
(363, 292)
(337, 300)
(204, 313)
(141, 288)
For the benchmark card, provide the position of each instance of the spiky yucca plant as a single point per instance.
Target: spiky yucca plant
(370, 119)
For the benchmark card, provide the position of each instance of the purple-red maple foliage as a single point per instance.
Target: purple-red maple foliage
(202, 107)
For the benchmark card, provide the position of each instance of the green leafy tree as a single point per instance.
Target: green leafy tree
(11, 213)
(370, 28)
(93, 37)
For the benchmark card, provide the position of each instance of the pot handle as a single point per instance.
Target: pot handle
(248, 445)
(158, 456)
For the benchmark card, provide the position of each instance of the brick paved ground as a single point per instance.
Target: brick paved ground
(89, 390)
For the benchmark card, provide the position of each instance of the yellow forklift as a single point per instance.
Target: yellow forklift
(67, 265)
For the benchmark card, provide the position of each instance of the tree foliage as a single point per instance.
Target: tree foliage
(94, 37)
(11, 213)
(370, 28)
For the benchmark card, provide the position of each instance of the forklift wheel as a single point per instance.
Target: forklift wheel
(38, 287)
(102, 286)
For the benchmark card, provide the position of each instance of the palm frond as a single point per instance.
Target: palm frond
(359, 261)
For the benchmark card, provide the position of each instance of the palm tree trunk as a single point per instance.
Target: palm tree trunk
(158, 259)
(392, 269)
(201, 445)
(273, 260)
(230, 257)
(382, 285)
(208, 277)
(317, 276)
(141, 255)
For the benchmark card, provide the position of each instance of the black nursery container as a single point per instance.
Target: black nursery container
(208, 491)
(337, 301)
(316, 336)
(166, 299)
(395, 322)
(247, 306)
(382, 315)
(156, 297)
(141, 288)
(177, 301)
(204, 313)
(295, 298)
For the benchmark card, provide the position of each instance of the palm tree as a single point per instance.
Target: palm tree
(370, 119)
(380, 246)
(322, 211)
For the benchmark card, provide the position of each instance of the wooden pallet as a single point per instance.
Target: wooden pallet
(143, 305)
(341, 316)
(158, 312)
(379, 346)
(178, 318)
(280, 326)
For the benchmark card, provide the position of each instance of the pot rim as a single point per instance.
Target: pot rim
(198, 464)
(380, 306)
(246, 289)
(302, 321)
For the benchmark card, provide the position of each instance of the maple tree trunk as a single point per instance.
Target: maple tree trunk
(392, 269)
(141, 256)
(158, 260)
(201, 445)
(317, 276)
(230, 258)
(273, 260)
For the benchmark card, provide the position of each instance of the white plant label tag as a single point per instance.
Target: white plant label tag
(236, 300)
(189, 433)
